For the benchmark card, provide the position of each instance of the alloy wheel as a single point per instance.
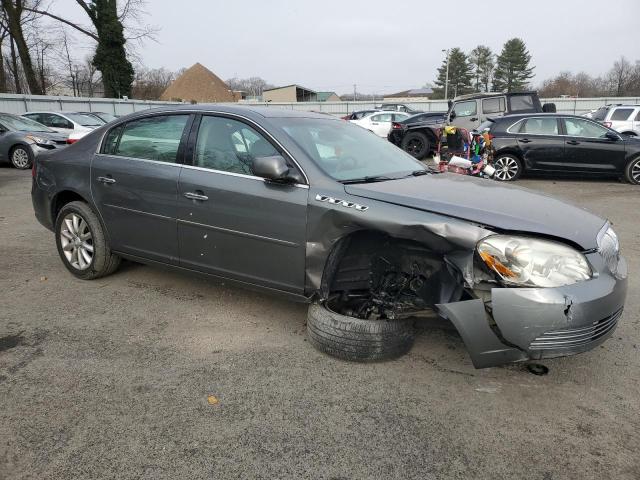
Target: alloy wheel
(76, 241)
(414, 146)
(20, 158)
(635, 171)
(506, 168)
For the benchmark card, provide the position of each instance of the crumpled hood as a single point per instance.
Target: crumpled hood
(489, 203)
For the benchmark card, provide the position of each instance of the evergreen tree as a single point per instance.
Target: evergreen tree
(110, 57)
(482, 62)
(459, 75)
(512, 70)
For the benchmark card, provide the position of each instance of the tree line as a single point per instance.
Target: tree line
(483, 71)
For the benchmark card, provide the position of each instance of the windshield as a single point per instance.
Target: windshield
(85, 120)
(348, 152)
(23, 124)
(107, 117)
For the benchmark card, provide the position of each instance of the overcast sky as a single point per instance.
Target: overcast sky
(381, 45)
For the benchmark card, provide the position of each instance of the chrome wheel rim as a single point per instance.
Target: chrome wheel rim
(20, 158)
(635, 171)
(506, 168)
(76, 241)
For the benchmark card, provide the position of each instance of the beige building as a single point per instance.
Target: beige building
(198, 84)
(328, 97)
(415, 95)
(289, 93)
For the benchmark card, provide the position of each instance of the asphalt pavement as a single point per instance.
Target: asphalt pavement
(151, 374)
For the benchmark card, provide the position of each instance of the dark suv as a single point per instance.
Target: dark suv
(322, 211)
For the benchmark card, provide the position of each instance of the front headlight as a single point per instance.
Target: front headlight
(609, 248)
(38, 140)
(529, 262)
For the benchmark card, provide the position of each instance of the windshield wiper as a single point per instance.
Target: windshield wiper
(369, 179)
(417, 173)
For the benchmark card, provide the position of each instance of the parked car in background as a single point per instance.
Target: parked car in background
(66, 122)
(415, 135)
(102, 116)
(359, 114)
(561, 144)
(624, 119)
(469, 111)
(380, 122)
(398, 107)
(346, 221)
(21, 140)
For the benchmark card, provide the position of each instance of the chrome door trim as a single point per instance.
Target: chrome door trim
(140, 212)
(242, 175)
(241, 234)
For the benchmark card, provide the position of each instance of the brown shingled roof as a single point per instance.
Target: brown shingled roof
(198, 84)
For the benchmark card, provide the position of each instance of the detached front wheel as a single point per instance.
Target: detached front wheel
(355, 339)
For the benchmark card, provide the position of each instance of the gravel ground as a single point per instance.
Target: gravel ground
(111, 379)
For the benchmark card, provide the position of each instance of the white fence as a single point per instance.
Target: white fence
(24, 103)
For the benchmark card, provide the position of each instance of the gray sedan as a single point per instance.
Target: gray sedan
(21, 139)
(321, 211)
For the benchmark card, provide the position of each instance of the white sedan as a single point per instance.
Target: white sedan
(380, 122)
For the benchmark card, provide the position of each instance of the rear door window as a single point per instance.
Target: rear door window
(522, 103)
(621, 114)
(540, 126)
(577, 127)
(465, 109)
(493, 105)
(153, 138)
(385, 117)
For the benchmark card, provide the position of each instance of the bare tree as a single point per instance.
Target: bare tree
(619, 76)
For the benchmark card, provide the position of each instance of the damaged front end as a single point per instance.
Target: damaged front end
(422, 268)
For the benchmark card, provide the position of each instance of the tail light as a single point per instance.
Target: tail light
(71, 140)
(33, 169)
(396, 126)
(607, 124)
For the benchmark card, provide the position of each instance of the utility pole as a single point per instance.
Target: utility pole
(355, 98)
(446, 81)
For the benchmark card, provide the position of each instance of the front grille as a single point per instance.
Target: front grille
(575, 337)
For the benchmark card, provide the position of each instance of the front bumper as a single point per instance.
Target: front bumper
(521, 324)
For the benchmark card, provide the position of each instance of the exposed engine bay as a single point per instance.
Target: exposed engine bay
(379, 277)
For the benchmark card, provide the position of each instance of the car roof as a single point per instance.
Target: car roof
(472, 96)
(248, 110)
(513, 116)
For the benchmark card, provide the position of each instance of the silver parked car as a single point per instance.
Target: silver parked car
(321, 211)
(21, 139)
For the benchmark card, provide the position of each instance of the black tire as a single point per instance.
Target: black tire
(21, 157)
(508, 167)
(416, 144)
(355, 339)
(632, 171)
(103, 262)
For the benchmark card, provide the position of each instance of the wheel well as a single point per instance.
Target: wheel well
(632, 134)
(61, 199)
(372, 274)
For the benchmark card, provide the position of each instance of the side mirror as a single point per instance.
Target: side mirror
(452, 115)
(549, 108)
(275, 169)
(612, 136)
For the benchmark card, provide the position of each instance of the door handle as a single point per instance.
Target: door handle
(196, 196)
(573, 142)
(524, 140)
(474, 119)
(106, 180)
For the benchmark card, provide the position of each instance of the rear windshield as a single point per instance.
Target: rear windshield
(600, 114)
(485, 126)
(522, 103)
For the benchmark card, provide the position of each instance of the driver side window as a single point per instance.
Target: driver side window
(465, 109)
(229, 145)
